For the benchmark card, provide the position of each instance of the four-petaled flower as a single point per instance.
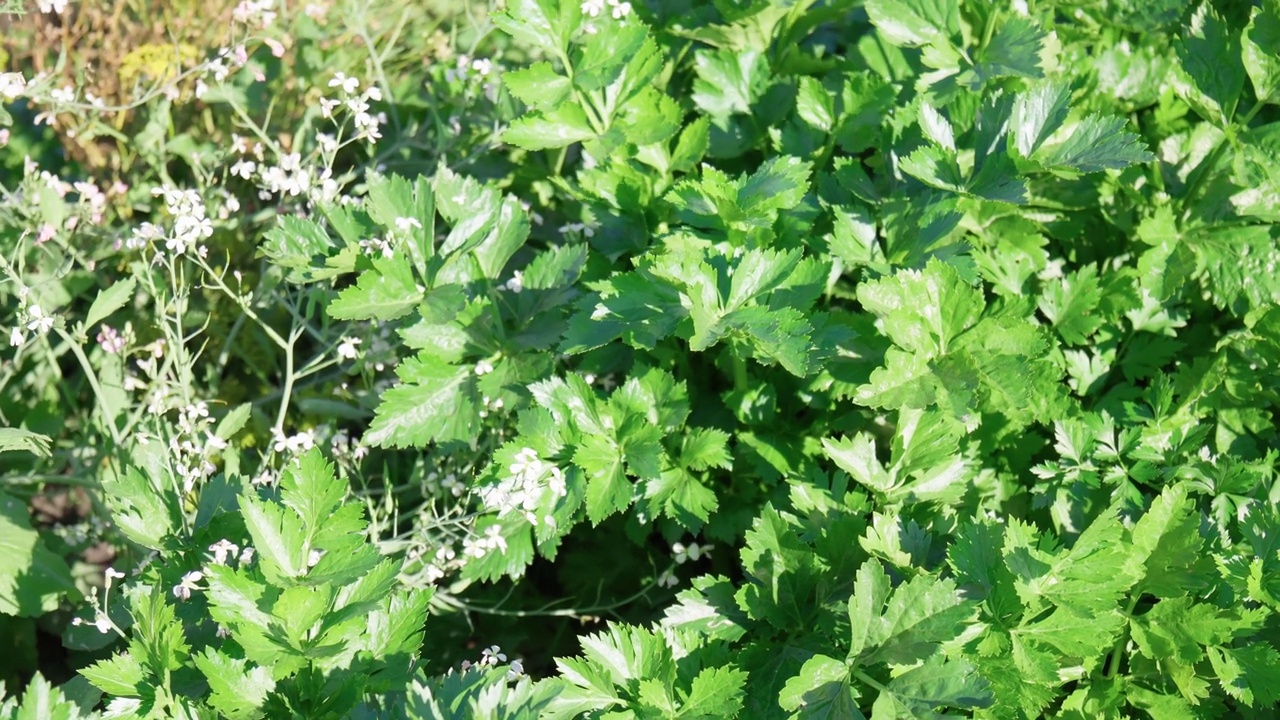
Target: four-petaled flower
(183, 590)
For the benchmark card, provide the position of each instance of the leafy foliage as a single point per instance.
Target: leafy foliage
(894, 359)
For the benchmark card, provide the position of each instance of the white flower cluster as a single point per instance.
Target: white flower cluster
(194, 445)
(478, 547)
(619, 9)
(445, 559)
(464, 66)
(294, 444)
(191, 226)
(587, 229)
(32, 317)
(377, 246)
(526, 488)
(12, 86)
(57, 7)
(367, 125)
(224, 549)
(259, 13)
(515, 284)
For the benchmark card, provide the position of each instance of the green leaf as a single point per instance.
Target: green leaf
(729, 82)
(857, 456)
(1261, 48)
(278, 539)
(1096, 143)
(300, 246)
(1014, 51)
(556, 128)
(543, 24)
(310, 488)
(815, 105)
(158, 635)
(434, 402)
(1249, 674)
(1167, 547)
(110, 300)
(912, 23)
(1037, 114)
(146, 511)
(237, 691)
(1212, 73)
(715, 692)
(539, 86)
(1071, 304)
(608, 489)
(385, 292)
(703, 448)
(393, 198)
(902, 625)
(42, 701)
(32, 578)
(937, 683)
(120, 675)
(823, 689)
(24, 440)
(923, 311)
(682, 497)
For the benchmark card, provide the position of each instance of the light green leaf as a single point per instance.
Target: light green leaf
(1261, 48)
(557, 128)
(237, 691)
(539, 86)
(1212, 72)
(433, 403)
(385, 292)
(32, 578)
(913, 23)
(12, 439)
(110, 300)
(823, 689)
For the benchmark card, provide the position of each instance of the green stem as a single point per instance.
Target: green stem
(1117, 653)
(740, 380)
(92, 377)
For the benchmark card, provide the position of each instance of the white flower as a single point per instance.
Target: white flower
(183, 590)
(516, 283)
(515, 670)
(12, 86)
(223, 549)
(246, 556)
(244, 169)
(53, 6)
(620, 9)
(668, 579)
(694, 551)
(347, 348)
(16, 338)
(38, 321)
(484, 367)
(112, 574)
(492, 655)
(483, 66)
(63, 95)
(348, 84)
(592, 8)
(404, 223)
